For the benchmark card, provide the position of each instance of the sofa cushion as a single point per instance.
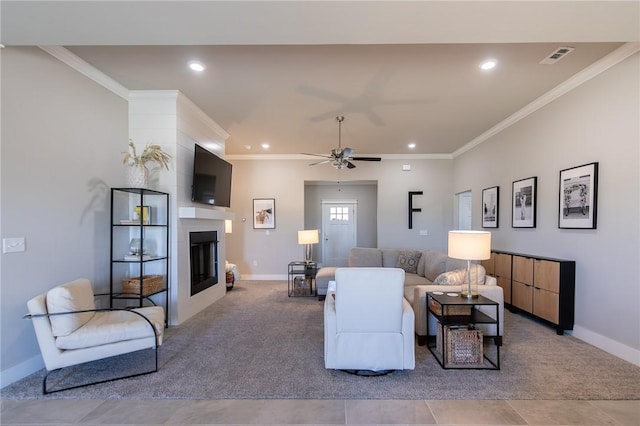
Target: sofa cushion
(73, 296)
(452, 264)
(408, 260)
(390, 257)
(365, 257)
(414, 279)
(434, 264)
(456, 277)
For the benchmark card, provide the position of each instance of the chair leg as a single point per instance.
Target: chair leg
(46, 391)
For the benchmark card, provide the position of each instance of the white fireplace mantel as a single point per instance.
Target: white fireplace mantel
(205, 214)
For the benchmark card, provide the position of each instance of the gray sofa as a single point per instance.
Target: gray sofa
(432, 266)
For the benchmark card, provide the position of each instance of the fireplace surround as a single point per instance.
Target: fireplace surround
(203, 260)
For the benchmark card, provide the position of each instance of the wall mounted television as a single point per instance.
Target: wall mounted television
(211, 179)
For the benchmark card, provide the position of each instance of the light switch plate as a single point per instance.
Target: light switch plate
(13, 245)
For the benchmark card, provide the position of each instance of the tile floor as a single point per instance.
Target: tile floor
(327, 412)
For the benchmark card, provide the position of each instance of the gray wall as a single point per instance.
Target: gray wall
(62, 138)
(598, 121)
(284, 180)
(366, 195)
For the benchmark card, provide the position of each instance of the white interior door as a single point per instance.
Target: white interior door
(338, 231)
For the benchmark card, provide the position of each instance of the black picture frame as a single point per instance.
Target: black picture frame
(524, 202)
(578, 197)
(490, 207)
(264, 213)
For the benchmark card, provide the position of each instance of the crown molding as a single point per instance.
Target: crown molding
(615, 57)
(87, 70)
(241, 157)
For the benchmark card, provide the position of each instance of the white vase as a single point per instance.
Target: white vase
(138, 176)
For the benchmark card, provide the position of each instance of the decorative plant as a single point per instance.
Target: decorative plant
(151, 153)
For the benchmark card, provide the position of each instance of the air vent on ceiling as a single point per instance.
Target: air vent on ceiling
(557, 54)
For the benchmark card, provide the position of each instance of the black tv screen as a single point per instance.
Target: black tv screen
(211, 179)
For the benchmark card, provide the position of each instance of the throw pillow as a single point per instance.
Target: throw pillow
(456, 277)
(74, 296)
(408, 260)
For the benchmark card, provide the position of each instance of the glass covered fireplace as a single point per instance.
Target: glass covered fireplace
(204, 260)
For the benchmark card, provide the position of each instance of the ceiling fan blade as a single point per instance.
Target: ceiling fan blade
(316, 155)
(366, 158)
(320, 162)
(350, 165)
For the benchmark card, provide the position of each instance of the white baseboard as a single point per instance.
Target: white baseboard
(616, 348)
(20, 371)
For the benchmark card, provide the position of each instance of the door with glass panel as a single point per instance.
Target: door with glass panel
(338, 231)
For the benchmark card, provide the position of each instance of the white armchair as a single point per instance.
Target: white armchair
(368, 324)
(71, 331)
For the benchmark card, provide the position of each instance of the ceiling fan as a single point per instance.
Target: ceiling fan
(341, 158)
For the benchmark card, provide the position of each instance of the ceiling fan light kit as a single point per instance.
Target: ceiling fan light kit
(341, 158)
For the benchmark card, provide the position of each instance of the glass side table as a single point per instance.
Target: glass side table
(301, 278)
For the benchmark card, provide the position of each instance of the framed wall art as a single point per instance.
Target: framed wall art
(490, 203)
(578, 197)
(264, 213)
(524, 203)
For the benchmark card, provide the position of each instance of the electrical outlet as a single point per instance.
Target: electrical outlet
(424, 232)
(255, 263)
(13, 245)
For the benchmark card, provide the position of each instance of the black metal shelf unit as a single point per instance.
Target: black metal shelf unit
(139, 254)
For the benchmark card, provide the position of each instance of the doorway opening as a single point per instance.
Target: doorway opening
(345, 213)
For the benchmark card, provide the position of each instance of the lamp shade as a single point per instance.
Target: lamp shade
(470, 245)
(308, 236)
(228, 226)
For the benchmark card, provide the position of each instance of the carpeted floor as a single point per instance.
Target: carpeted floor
(258, 343)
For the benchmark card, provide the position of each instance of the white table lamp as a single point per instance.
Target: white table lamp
(307, 238)
(469, 245)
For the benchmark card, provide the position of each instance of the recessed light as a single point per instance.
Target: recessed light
(411, 145)
(265, 146)
(489, 64)
(196, 66)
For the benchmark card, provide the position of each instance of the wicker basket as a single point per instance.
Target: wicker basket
(463, 344)
(436, 307)
(301, 286)
(150, 284)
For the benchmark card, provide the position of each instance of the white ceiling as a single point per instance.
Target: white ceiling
(280, 72)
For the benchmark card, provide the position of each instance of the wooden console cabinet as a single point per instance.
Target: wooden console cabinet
(540, 286)
(499, 266)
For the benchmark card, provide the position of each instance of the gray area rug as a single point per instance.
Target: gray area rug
(257, 343)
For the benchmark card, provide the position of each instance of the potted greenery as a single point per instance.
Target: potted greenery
(138, 174)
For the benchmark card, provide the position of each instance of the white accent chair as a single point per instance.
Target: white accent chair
(70, 330)
(368, 324)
